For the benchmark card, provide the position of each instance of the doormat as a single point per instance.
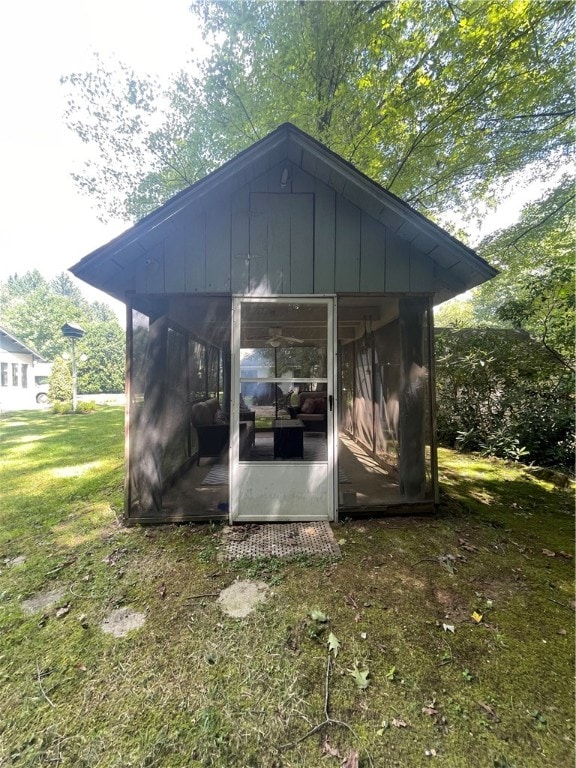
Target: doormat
(218, 475)
(278, 540)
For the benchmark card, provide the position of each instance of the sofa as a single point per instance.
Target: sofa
(311, 408)
(213, 429)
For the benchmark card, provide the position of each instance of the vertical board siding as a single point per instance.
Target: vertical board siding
(279, 245)
(397, 264)
(421, 271)
(324, 239)
(174, 261)
(218, 227)
(195, 255)
(302, 182)
(262, 238)
(240, 240)
(347, 246)
(258, 258)
(372, 255)
(301, 243)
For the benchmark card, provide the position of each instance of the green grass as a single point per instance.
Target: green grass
(196, 688)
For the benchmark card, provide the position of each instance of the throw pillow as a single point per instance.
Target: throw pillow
(308, 405)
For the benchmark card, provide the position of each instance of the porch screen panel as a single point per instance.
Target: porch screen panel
(175, 421)
(363, 412)
(214, 373)
(387, 392)
(144, 474)
(415, 472)
(347, 388)
(197, 370)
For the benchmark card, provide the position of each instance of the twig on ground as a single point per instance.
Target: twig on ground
(205, 594)
(426, 560)
(39, 679)
(328, 721)
(562, 605)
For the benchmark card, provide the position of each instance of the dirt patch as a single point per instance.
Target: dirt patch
(121, 621)
(43, 601)
(240, 599)
(20, 560)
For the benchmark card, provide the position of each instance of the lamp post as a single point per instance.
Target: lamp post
(73, 332)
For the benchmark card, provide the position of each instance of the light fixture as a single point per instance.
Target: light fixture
(274, 343)
(284, 178)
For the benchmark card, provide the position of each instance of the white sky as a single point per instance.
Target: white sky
(45, 223)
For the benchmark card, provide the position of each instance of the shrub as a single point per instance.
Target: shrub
(503, 394)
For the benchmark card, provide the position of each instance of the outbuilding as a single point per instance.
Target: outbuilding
(280, 341)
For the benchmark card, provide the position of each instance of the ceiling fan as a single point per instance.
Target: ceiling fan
(276, 338)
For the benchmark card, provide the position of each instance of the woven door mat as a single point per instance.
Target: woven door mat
(278, 540)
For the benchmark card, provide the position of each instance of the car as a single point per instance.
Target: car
(41, 385)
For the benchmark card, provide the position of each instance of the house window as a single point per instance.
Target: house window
(24, 375)
(14, 374)
(4, 374)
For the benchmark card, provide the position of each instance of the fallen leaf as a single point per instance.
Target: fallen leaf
(163, 591)
(489, 711)
(318, 616)
(561, 632)
(63, 610)
(329, 751)
(548, 553)
(352, 761)
(429, 710)
(351, 601)
(360, 676)
(333, 644)
(448, 628)
(430, 752)
(477, 617)
(565, 555)
(397, 722)
(463, 544)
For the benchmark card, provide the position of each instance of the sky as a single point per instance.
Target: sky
(45, 222)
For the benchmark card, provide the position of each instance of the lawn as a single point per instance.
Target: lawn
(443, 640)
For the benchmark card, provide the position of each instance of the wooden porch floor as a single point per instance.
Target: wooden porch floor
(369, 487)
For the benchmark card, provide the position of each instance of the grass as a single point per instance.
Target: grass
(194, 687)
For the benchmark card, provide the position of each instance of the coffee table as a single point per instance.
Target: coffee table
(288, 439)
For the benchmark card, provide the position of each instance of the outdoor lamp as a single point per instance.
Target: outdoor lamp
(73, 332)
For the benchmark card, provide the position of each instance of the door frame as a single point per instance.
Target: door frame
(332, 406)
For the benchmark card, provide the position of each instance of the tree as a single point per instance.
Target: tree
(439, 102)
(34, 310)
(103, 369)
(60, 388)
(535, 289)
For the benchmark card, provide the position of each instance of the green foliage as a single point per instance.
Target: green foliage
(505, 395)
(103, 371)
(60, 387)
(439, 102)
(35, 309)
(535, 290)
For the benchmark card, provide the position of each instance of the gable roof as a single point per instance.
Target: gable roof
(460, 266)
(9, 343)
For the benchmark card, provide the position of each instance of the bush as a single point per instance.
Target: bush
(82, 406)
(60, 388)
(503, 394)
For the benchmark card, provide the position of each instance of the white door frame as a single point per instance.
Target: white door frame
(296, 490)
